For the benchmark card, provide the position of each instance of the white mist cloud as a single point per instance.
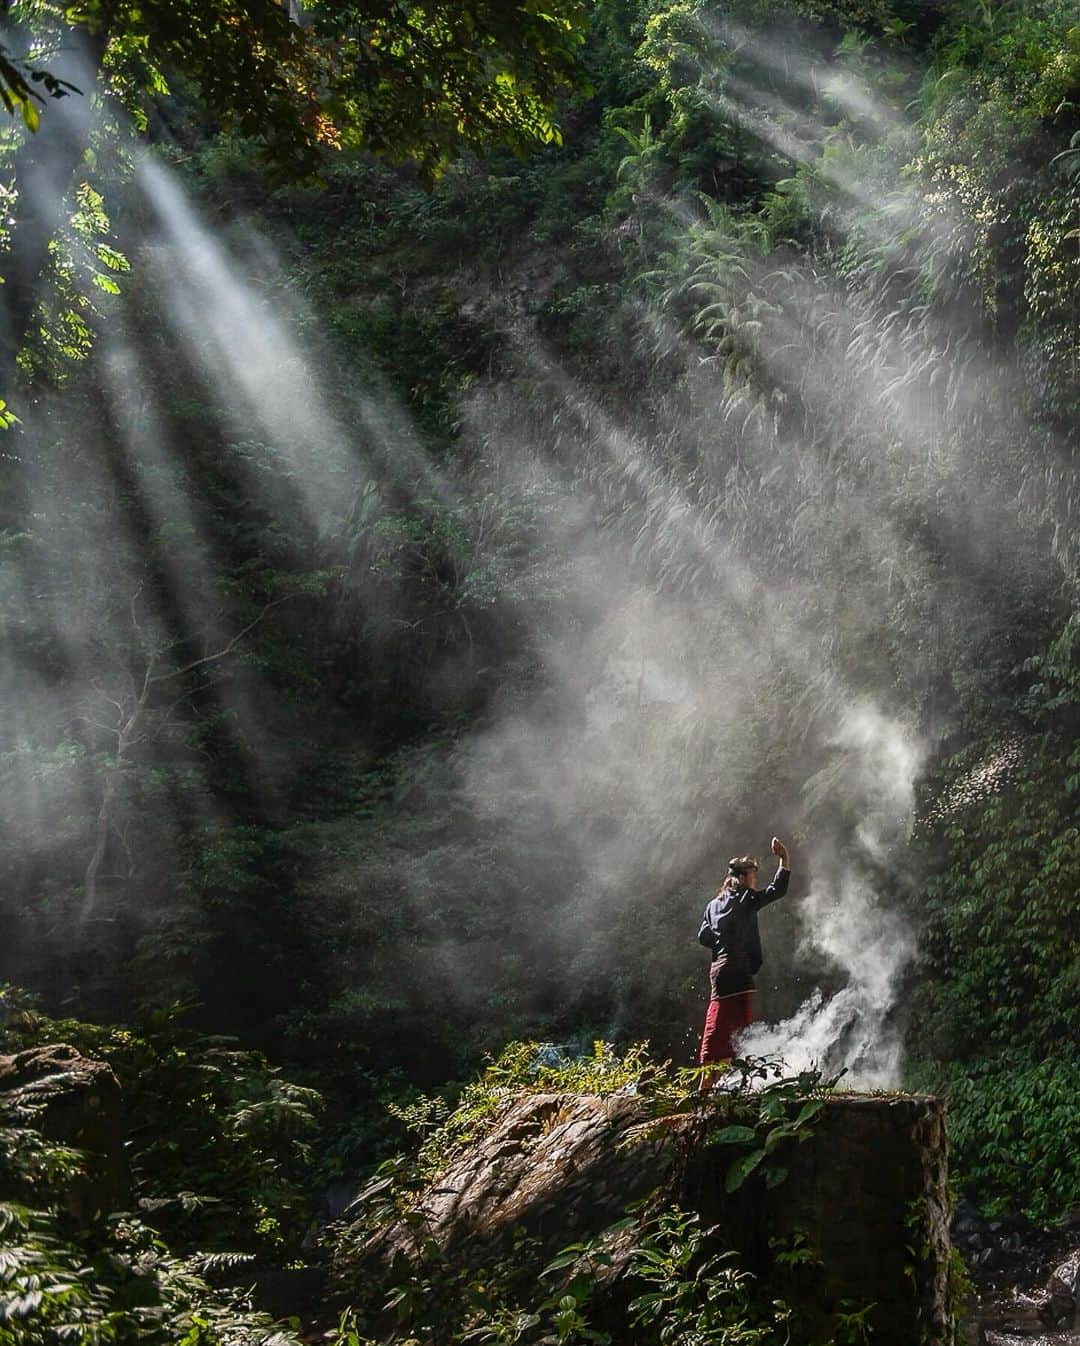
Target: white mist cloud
(846, 919)
(686, 677)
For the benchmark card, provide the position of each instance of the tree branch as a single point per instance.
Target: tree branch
(227, 649)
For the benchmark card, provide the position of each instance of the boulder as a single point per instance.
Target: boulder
(869, 1190)
(866, 1191)
(1058, 1304)
(560, 1167)
(81, 1107)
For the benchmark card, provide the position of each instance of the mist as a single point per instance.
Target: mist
(712, 614)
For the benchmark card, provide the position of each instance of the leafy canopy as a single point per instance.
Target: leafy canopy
(408, 80)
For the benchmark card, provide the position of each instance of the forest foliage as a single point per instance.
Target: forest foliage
(383, 767)
(209, 1118)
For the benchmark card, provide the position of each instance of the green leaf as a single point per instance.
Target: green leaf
(734, 1135)
(778, 1135)
(741, 1170)
(808, 1110)
(567, 1257)
(774, 1174)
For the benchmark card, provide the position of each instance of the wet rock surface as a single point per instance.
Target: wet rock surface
(1059, 1301)
(1026, 1279)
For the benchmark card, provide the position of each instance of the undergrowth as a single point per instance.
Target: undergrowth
(216, 1139)
(113, 1281)
(659, 1273)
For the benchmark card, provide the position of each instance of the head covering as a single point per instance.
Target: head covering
(741, 864)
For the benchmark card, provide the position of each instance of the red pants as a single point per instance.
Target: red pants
(725, 1018)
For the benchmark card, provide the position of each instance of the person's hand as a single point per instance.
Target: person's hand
(780, 851)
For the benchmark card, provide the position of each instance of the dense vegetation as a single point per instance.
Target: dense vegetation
(413, 592)
(191, 1266)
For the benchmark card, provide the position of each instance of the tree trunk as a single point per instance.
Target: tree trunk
(124, 738)
(101, 843)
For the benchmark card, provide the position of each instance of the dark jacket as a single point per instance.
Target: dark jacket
(729, 930)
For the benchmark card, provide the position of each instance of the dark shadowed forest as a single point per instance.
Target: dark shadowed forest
(467, 472)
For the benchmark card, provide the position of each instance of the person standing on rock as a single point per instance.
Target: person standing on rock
(729, 930)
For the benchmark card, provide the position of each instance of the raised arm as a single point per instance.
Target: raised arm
(779, 885)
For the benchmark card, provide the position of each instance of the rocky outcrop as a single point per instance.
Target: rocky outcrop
(865, 1195)
(1060, 1301)
(869, 1192)
(558, 1166)
(78, 1104)
(1045, 1317)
